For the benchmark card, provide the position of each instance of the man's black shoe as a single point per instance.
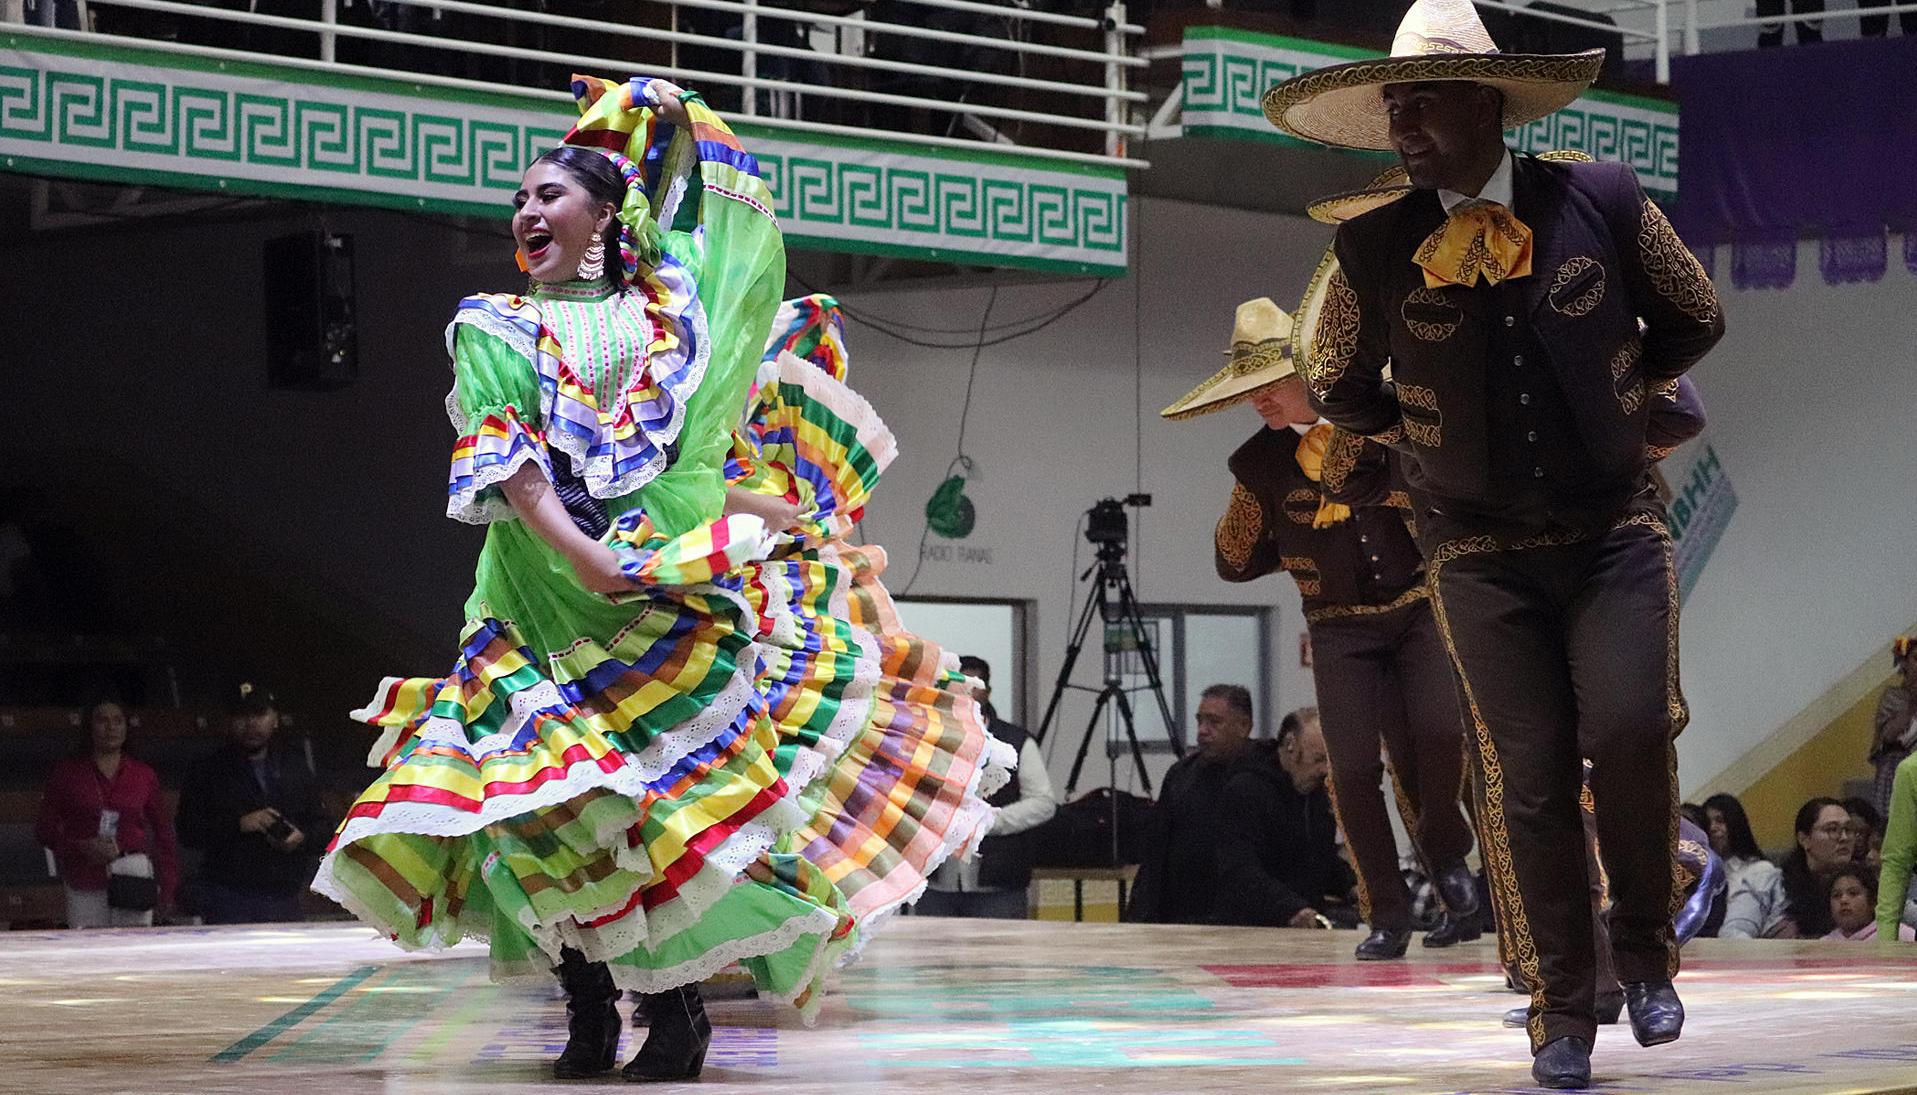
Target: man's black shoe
(1459, 891)
(1452, 930)
(1657, 1015)
(1382, 945)
(1563, 1064)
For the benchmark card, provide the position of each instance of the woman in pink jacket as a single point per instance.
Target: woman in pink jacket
(103, 815)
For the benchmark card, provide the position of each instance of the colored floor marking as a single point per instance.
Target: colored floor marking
(479, 999)
(293, 1018)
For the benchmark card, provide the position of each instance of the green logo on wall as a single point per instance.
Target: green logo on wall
(950, 513)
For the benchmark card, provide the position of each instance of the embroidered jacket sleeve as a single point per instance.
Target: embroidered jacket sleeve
(1244, 547)
(1344, 368)
(1677, 415)
(1669, 288)
(1358, 471)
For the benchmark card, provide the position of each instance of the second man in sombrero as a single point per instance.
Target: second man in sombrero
(1380, 670)
(1507, 294)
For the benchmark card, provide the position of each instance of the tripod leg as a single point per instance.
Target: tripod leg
(1128, 604)
(1131, 735)
(1065, 672)
(1085, 743)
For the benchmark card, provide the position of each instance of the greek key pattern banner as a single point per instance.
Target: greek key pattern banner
(132, 115)
(1227, 72)
(889, 201)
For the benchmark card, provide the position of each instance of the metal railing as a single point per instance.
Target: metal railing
(1082, 82)
(1673, 27)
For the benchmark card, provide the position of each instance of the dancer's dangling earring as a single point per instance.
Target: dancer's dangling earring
(592, 266)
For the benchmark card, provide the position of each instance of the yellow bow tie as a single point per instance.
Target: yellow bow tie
(1311, 460)
(1479, 239)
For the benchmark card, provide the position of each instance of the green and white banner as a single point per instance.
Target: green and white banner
(1701, 503)
(112, 112)
(1227, 72)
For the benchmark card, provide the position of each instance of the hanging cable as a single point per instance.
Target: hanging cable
(965, 415)
(979, 342)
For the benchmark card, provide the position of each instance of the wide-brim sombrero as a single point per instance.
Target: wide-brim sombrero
(1260, 357)
(1343, 104)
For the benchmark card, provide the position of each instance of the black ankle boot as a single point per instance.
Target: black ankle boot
(592, 1018)
(677, 1039)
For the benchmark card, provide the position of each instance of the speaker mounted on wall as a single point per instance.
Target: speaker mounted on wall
(312, 334)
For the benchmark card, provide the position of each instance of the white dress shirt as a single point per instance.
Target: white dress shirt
(1496, 189)
(1035, 806)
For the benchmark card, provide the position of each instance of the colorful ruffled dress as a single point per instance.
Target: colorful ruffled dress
(744, 759)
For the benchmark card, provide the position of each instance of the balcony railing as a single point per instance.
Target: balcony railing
(947, 73)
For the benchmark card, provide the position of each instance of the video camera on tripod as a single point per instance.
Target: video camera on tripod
(1107, 527)
(1111, 600)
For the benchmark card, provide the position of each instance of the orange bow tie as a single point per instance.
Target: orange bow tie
(1311, 460)
(1480, 239)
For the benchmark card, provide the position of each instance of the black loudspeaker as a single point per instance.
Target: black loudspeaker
(312, 338)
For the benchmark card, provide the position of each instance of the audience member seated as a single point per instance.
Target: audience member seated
(1178, 878)
(1278, 859)
(1791, 905)
(108, 827)
(255, 812)
(1850, 893)
(994, 883)
(1866, 832)
(1731, 838)
(1896, 893)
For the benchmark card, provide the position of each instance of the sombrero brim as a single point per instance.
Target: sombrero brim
(1339, 208)
(1392, 185)
(1310, 310)
(1225, 389)
(1343, 105)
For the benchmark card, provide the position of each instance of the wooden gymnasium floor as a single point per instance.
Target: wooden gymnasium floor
(936, 1006)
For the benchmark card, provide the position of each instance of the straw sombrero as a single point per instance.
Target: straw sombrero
(1438, 40)
(1392, 185)
(1260, 357)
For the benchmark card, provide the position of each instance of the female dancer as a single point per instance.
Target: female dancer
(684, 729)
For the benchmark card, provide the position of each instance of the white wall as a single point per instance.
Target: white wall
(1054, 428)
(1813, 403)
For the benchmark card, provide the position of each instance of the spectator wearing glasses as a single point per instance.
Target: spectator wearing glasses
(1793, 905)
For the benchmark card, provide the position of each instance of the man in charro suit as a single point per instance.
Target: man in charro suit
(1507, 293)
(1380, 671)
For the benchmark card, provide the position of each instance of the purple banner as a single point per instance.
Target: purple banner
(1801, 141)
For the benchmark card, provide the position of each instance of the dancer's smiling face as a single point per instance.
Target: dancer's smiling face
(555, 220)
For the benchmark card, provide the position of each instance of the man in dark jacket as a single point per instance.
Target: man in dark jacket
(1178, 882)
(255, 813)
(1530, 311)
(1278, 863)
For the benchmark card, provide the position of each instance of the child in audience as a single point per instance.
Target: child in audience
(1852, 895)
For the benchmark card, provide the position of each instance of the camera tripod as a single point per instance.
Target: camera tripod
(1111, 601)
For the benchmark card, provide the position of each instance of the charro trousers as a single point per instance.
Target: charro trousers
(1384, 675)
(1565, 646)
